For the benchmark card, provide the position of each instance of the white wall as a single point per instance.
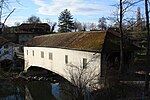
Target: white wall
(58, 64)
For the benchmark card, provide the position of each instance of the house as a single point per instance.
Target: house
(6, 49)
(97, 50)
(24, 37)
(25, 32)
(34, 27)
(11, 56)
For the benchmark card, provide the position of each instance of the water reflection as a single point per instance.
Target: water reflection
(34, 90)
(39, 90)
(10, 91)
(56, 90)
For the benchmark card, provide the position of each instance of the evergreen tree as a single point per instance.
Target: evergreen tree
(65, 21)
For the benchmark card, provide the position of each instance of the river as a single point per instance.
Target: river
(31, 90)
(37, 84)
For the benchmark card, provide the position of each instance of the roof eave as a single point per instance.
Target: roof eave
(76, 49)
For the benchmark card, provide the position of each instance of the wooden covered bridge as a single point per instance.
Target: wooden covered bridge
(95, 51)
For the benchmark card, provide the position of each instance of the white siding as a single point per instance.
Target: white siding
(58, 64)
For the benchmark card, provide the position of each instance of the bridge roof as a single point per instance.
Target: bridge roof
(89, 41)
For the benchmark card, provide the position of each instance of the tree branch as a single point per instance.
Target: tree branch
(7, 17)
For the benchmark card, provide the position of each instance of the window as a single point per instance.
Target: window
(50, 56)
(84, 62)
(42, 54)
(33, 52)
(27, 52)
(66, 59)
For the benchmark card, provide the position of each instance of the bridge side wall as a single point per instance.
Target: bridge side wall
(57, 64)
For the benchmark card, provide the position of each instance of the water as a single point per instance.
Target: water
(33, 90)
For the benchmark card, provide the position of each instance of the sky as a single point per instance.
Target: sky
(82, 10)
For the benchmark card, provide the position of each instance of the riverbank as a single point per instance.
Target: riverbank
(121, 91)
(7, 74)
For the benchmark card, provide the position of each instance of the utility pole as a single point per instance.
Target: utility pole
(148, 49)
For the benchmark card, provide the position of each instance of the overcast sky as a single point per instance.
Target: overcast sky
(82, 10)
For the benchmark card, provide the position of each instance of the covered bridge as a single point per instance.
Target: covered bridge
(94, 49)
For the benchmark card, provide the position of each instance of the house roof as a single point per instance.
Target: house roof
(3, 41)
(33, 27)
(90, 41)
(29, 25)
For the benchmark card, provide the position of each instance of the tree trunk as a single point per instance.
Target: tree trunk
(1, 9)
(121, 40)
(148, 49)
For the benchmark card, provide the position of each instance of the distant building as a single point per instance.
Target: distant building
(6, 49)
(34, 27)
(26, 31)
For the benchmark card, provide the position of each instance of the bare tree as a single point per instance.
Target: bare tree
(148, 48)
(84, 79)
(127, 5)
(122, 8)
(17, 23)
(4, 5)
(77, 26)
(139, 19)
(102, 23)
(33, 19)
(92, 26)
(84, 26)
(121, 40)
(87, 26)
(52, 25)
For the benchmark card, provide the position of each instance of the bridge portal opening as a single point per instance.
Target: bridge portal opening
(38, 73)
